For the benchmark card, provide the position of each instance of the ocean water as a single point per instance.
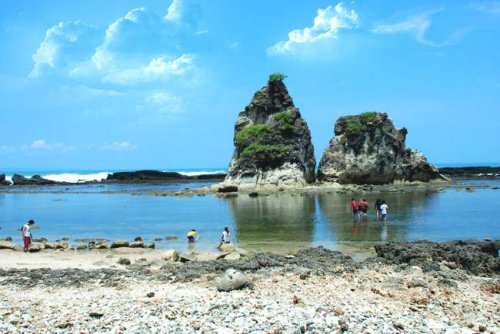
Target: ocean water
(278, 222)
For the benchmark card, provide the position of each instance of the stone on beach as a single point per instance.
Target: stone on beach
(170, 255)
(232, 256)
(9, 245)
(227, 247)
(119, 243)
(233, 279)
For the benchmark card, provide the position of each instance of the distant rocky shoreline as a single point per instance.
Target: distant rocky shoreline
(159, 177)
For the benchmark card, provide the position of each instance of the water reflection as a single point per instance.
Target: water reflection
(275, 222)
(336, 211)
(284, 222)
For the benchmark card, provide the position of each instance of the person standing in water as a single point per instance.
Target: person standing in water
(378, 203)
(355, 209)
(26, 233)
(192, 236)
(225, 236)
(383, 210)
(363, 205)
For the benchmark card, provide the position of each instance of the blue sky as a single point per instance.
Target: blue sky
(159, 84)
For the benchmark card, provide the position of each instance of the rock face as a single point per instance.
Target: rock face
(272, 141)
(367, 149)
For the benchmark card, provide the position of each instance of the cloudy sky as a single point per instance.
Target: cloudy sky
(159, 84)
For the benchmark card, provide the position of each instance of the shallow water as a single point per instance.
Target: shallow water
(278, 222)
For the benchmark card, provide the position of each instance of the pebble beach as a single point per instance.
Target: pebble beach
(314, 291)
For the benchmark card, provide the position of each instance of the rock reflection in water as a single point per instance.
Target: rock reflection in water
(335, 209)
(277, 222)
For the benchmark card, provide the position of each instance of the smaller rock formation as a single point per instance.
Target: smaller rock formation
(367, 149)
(272, 141)
(35, 180)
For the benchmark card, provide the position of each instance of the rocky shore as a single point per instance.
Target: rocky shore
(421, 287)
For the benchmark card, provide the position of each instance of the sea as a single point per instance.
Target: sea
(281, 222)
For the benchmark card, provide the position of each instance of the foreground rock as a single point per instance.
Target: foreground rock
(233, 280)
(476, 257)
(272, 141)
(367, 149)
(305, 293)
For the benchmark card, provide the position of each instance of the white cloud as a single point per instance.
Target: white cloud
(39, 144)
(43, 145)
(64, 43)
(183, 12)
(418, 26)
(118, 146)
(174, 12)
(327, 24)
(141, 46)
(158, 69)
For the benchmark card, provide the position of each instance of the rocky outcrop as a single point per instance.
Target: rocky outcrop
(35, 180)
(272, 141)
(4, 181)
(154, 176)
(476, 257)
(479, 172)
(367, 149)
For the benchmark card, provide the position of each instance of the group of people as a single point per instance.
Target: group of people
(193, 235)
(360, 209)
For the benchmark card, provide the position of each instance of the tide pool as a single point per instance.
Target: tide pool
(278, 222)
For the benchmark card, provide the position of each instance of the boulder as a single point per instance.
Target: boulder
(35, 247)
(233, 279)
(227, 247)
(232, 256)
(368, 149)
(124, 261)
(171, 237)
(4, 244)
(137, 244)
(170, 255)
(119, 243)
(272, 141)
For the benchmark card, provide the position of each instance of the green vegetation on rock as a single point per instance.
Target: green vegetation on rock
(359, 123)
(369, 117)
(276, 77)
(253, 133)
(283, 116)
(265, 152)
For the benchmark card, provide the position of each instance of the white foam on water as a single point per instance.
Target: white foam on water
(202, 173)
(77, 178)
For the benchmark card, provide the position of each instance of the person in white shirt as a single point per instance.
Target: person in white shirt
(26, 232)
(225, 236)
(383, 210)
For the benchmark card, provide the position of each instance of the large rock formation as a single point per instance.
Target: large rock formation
(272, 141)
(367, 149)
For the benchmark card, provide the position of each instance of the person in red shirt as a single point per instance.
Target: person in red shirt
(355, 208)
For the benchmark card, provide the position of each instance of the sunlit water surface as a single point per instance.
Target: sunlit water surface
(279, 222)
